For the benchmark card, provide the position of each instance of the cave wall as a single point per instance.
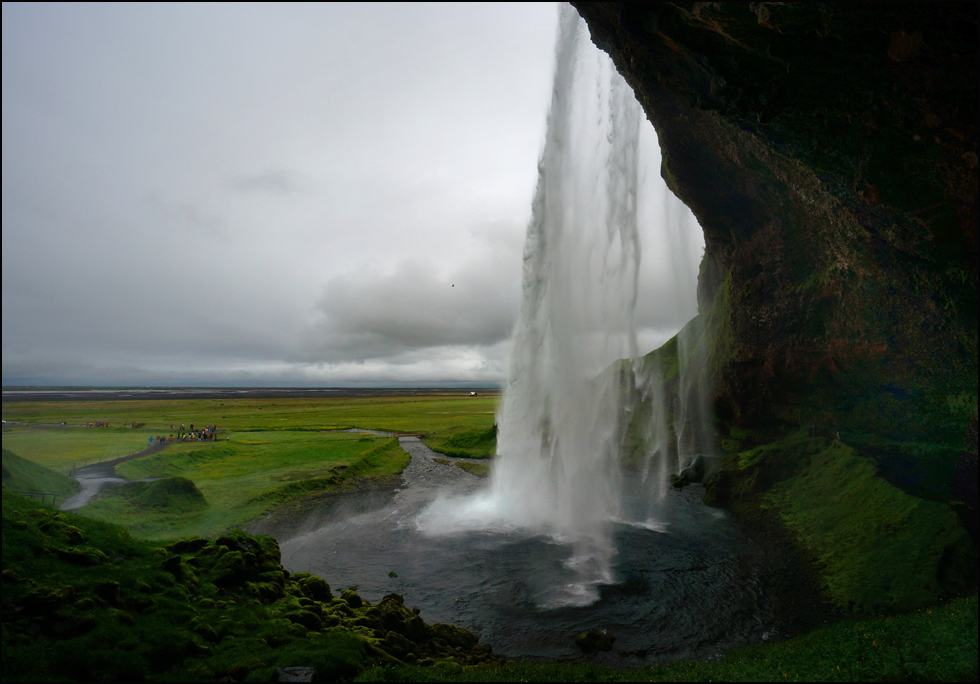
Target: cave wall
(830, 154)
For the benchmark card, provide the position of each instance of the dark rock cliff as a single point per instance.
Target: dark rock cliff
(830, 154)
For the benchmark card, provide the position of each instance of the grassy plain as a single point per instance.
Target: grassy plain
(270, 451)
(245, 476)
(58, 448)
(427, 413)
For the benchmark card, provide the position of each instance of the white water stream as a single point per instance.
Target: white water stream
(560, 421)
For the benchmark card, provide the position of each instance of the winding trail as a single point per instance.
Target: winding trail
(94, 477)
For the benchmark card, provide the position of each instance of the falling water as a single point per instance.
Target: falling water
(558, 439)
(561, 420)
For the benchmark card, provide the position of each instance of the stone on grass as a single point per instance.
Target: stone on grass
(595, 640)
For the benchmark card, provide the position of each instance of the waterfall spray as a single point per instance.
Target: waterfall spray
(559, 421)
(557, 466)
(574, 377)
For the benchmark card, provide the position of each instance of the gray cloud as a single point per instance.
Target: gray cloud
(272, 194)
(268, 182)
(369, 315)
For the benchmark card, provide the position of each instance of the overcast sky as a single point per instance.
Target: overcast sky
(281, 195)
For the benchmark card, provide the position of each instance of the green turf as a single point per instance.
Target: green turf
(427, 413)
(84, 601)
(60, 449)
(463, 442)
(937, 644)
(878, 547)
(23, 475)
(244, 476)
(478, 469)
(269, 450)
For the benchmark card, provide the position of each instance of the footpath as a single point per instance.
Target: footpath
(94, 477)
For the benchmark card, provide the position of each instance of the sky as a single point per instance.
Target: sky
(283, 195)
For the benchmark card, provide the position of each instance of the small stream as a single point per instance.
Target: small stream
(688, 585)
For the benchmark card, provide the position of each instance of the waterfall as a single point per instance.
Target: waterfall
(557, 463)
(573, 379)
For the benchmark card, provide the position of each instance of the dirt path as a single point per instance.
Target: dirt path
(94, 477)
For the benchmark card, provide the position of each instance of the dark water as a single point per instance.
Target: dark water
(691, 589)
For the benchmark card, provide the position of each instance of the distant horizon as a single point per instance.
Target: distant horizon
(427, 384)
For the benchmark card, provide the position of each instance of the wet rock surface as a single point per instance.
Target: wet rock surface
(829, 153)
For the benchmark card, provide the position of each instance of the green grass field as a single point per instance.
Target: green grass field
(270, 451)
(427, 413)
(21, 474)
(245, 476)
(58, 449)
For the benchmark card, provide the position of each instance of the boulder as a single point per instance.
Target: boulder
(595, 640)
(189, 545)
(316, 588)
(452, 636)
(83, 556)
(294, 674)
(353, 600)
(306, 618)
(397, 645)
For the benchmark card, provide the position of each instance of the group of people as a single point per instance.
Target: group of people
(96, 424)
(185, 434)
(208, 432)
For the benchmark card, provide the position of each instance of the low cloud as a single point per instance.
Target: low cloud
(411, 309)
(265, 182)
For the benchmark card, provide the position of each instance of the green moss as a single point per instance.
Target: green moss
(191, 610)
(938, 644)
(879, 548)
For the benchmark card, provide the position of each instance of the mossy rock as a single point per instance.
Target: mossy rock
(396, 617)
(397, 645)
(231, 570)
(311, 621)
(315, 588)
(266, 592)
(44, 599)
(189, 545)
(595, 640)
(452, 636)
(352, 598)
(84, 556)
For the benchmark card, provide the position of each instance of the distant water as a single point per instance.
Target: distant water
(140, 393)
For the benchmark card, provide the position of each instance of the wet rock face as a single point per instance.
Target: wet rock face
(830, 154)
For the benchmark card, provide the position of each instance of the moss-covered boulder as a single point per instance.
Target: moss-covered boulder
(196, 609)
(595, 640)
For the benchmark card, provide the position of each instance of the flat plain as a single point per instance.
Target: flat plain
(268, 451)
